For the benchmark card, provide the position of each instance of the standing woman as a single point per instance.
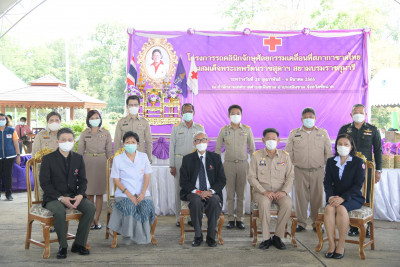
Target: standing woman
(96, 147)
(48, 137)
(344, 178)
(9, 152)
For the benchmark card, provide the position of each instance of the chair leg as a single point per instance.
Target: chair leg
(28, 234)
(153, 228)
(181, 221)
(46, 236)
(221, 224)
(255, 231)
(371, 232)
(293, 232)
(318, 224)
(361, 241)
(251, 224)
(108, 219)
(286, 232)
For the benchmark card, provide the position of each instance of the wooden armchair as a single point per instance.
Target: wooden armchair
(254, 214)
(35, 210)
(111, 203)
(358, 218)
(185, 212)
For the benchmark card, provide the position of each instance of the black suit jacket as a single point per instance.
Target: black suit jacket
(190, 170)
(349, 188)
(53, 179)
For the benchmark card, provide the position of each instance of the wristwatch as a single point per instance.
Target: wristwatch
(59, 198)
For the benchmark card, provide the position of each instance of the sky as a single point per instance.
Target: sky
(69, 18)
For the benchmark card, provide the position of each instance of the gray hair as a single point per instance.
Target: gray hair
(199, 133)
(357, 106)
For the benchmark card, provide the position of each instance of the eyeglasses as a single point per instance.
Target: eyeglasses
(198, 141)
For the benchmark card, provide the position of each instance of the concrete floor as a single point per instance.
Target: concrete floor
(237, 250)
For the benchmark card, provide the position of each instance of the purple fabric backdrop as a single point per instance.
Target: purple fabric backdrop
(326, 70)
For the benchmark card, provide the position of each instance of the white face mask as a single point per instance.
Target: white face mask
(21, 123)
(201, 147)
(66, 146)
(359, 118)
(235, 119)
(134, 110)
(54, 126)
(343, 150)
(271, 144)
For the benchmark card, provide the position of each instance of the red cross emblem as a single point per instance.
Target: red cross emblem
(194, 75)
(272, 43)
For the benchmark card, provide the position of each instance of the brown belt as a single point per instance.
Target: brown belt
(95, 154)
(236, 161)
(309, 169)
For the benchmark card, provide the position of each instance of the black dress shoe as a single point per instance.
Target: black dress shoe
(300, 228)
(52, 229)
(197, 241)
(338, 256)
(211, 242)
(265, 244)
(276, 240)
(230, 225)
(240, 225)
(79, 249)
(178, 224)
(10, 198)
(62, 253)
(353, 231)
(329, 254)
(190, 223)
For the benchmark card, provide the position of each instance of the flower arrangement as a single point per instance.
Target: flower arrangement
(132, 90)
(173, 92)
(154, 97)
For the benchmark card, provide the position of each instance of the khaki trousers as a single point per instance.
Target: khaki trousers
(308, 184)
(236, 182)
(264, 205)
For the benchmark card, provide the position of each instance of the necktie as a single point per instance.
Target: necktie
(202, 176)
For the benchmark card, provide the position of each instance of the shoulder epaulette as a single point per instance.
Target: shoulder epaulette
(200, 125)
(369, 124)
(284, 151)
(255, 153)
(177, 124)
(246, 126)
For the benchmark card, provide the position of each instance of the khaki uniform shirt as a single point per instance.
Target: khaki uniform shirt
(271, 174)
(236, 142)
(140, 126)
(44, 139)
(181, 142)
(99, 143)
(309, 150)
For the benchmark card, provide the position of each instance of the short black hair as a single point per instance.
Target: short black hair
(63, 131)
(353, 151)
(90, 114)
(307, 110)
(154, 51)
(22, 119)
(187, 104)
(130, 134)
(234, 106)
(51, 114)
(270, 130)
(9, 116)
(132, 97)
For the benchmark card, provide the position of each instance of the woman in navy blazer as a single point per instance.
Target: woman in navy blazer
(344, 178)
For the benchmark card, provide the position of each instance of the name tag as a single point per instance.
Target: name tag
(181, 133)
(88, 136)
(9, 136)
(299, 135)
(243, 133)
(125, 124)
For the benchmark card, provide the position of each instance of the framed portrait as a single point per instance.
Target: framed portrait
(157, 61)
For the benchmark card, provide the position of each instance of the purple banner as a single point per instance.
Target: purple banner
(272, 75)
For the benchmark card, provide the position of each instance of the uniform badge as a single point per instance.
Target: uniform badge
(76, 172)
(211, 167)
(8, 135)
(281, 163)
(228, 143)
(363, 166)
(227, 133)
(368, 131)
(46, 137)
(243, 133)
(348, 130)
(263, 162)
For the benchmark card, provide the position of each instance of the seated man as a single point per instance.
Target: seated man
(202, 179)
(63, 180)
(271, 176)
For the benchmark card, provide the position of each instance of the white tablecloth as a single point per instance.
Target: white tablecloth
(387, 196)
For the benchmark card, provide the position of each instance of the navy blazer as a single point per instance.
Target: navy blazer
(349, 187)
(53, 175)
(190, 170)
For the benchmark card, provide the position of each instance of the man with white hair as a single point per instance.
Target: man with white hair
(202, 179)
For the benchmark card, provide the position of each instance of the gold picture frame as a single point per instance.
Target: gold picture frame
(146, 58)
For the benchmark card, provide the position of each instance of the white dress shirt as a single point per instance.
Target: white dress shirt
(197, 180)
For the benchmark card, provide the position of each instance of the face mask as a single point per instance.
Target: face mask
(358, 118)
(271, 144)
(54, 126)
(95, 123)
(130, 148)
(66, 146)
(188, 116)
(343, 150)
(201, 147)
(21, 123)
(308, 123)
(2, 123)
(134, 110)
(235, 119)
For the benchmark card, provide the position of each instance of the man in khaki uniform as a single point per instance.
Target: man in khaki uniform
(48, 137)
(180, 145)
(309, 148)
(271, 176)
(236, 137)
(134, 122)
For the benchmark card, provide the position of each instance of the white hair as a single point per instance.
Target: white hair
(199, 133)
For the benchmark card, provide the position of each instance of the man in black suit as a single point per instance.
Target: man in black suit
(202, 179)
(63, 180)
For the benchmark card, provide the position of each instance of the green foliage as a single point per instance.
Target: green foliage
(77, 126)
(381, 116)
